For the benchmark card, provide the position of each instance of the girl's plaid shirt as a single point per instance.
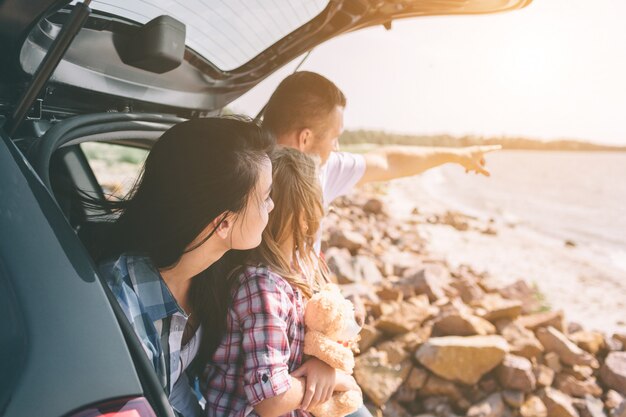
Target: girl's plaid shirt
(262, 345)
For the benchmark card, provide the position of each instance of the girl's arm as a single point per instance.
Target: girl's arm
(262, 306)
(292, 398)
(283, 403)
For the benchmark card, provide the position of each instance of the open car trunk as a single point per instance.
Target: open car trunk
(229, 48)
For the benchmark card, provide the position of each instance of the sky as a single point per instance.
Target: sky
(554, 70)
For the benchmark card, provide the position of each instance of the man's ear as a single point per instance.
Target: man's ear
(305, 137)
(223, 225)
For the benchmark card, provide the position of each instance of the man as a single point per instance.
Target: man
(306, 113)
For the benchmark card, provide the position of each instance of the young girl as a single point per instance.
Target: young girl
(257, 359)
(204, 190)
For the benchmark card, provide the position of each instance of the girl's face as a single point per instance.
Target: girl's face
(248, 226)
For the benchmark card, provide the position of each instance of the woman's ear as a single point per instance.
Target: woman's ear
(223, 225)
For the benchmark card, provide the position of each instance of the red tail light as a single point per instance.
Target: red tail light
(125, 407)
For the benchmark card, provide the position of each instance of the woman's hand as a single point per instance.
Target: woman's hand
(320, 382)
(346, 382)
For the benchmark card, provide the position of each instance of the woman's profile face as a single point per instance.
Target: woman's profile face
(250, 223)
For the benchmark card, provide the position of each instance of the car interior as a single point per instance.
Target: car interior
(65, 170)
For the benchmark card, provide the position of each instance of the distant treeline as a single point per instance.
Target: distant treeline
(352, 137)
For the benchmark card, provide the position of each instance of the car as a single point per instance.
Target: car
(118, 73)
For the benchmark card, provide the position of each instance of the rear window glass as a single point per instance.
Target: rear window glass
(228, 33)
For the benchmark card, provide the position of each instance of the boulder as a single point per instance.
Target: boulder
(462, 359)
(339, 262)
(417, 378)
(523, 341)
(513, 398)
(390, 294)
(405, 394)
(347, 239)
(520, 290)
(590, 407)
(613, 372)
(362, 290)
(592, 342)
(620, 411)
(404, 317)
(468, 289)
(572, 386)
(612, 344)
(569, 353)
(620, 337)
(489, 384)
(365, 268)
(393, 409)
(378, 379)
(431, 280)
(463, 324)
(435, 386)
(553, 362)
(533, 407)
(457, 220)
(395, 351)
(492, 406)
(579, 372)
(414, 339)
(494, 307)
(558, 403)
(438, 405)
(544, 319)
(612, 399)
(516, 373)
(374, 206)
(396, 263)
(544, 375)
(368, 337)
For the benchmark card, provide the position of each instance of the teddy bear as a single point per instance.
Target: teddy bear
(331, 328)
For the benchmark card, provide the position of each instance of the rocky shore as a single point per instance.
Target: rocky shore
(442, 340)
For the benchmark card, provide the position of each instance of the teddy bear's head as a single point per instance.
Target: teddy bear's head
(330, 313)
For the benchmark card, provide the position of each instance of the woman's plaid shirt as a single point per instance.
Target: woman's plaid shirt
(263, 344)
(158, 321)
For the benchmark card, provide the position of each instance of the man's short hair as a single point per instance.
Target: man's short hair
(302, 100)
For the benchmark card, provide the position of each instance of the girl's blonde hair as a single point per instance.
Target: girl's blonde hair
(297, 213)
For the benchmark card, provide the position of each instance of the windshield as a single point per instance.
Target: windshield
(227, 33)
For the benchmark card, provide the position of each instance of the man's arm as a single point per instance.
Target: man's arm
(403, 161)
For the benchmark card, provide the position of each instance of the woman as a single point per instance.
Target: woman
(204, 190)
(257, 363)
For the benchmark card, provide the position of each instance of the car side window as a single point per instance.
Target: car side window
(116, 167)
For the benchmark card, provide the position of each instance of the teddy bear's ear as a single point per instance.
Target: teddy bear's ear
(330, 287)
(324, 312)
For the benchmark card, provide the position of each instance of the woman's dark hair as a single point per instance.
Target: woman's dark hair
(196, 171)
(302, 100)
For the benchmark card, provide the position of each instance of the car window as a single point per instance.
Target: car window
(116, 167)
(225, 32)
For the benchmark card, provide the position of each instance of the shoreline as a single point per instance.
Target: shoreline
(570, 277)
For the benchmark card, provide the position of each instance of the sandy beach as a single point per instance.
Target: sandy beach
(570, 278)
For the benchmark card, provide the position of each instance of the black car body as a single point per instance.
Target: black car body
(65, 348)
